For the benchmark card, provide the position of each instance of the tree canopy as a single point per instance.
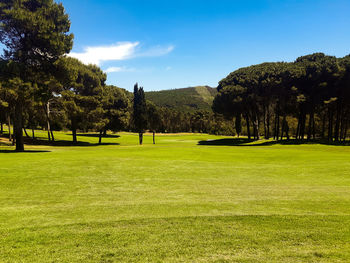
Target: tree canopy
(312, 89)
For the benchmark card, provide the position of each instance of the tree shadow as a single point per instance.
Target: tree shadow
(226, 142)
(27, 151)
(249, 142)
(44, 142)
(62, 143)
(96, 135)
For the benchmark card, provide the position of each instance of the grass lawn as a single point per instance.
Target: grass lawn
(177, 201)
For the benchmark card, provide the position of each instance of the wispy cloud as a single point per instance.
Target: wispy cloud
(156, 51)
(118, 69)
(119, 51)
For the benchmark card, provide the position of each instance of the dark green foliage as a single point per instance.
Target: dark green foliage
(117, 105)
(275, 95)
(82, 96)
(155, 119)
(139, 111)
(186, 100)
(35, 34)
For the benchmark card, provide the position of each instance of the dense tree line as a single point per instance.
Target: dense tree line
(309, 97)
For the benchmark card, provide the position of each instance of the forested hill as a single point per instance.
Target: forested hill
(188, 99)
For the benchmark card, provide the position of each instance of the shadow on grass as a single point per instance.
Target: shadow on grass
(249, 142)
(64, 143)
(29, 151)
(226, 142)
(96, 135)
(45, 142)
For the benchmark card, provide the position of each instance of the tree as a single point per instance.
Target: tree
(154, 119)
(313, 87)
(343, 93)
(116, 107)
(140, 112)
(82, 95)
(35, 34)
(320, 76)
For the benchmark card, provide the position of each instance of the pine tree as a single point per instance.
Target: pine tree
(35, 34)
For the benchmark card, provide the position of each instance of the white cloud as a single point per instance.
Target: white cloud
(113, 69)
(97, 55)
(168, 68)
(118, 69)
(119, 51)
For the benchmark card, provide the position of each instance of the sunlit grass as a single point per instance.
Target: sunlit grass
(174, 201)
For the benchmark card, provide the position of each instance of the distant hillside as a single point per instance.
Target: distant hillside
(187, 99)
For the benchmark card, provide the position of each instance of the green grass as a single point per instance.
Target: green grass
(177, 201)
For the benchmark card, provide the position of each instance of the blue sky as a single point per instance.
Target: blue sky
(180, 43)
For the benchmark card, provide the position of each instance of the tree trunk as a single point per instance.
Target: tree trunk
(47, 113)
(342, 120)
(9, 125)
(52, 137)
(248, 126)
(330, 124)
(33, 135)
(154, 137)
(302, 126)
(278, 126)
(275, 127)
(265, 122)
(298, 127)
(337, 122)
(268, 124)
(100, 138)
(74, 131)
(283, 126)
(311, 121)
(323, 125)
(48, 135)
(141, 138)
(287, 130)
(105, 132)
(345, 130)
(277, 122)
(18, 128)
(313, 129)
(26, 133)
(2, 128)
(256, 127)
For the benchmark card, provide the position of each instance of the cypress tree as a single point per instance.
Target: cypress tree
(140, 112)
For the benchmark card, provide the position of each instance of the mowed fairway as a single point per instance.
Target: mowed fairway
(177, 201)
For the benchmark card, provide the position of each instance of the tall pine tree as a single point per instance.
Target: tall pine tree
(35, 34)
(140, 112)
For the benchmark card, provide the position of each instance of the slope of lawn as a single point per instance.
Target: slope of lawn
(190, 198)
